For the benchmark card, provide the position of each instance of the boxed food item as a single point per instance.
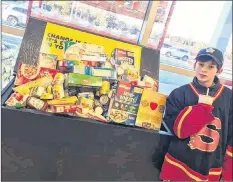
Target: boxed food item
(123, 107)
(14, 99)
(47, 60)
(65, 108)
(75, 79)
(152, 81)
(151, 109)
(121, 56)
(27, 73)
(64, 101)
(78, 51)
(94, 57)
(106, 73)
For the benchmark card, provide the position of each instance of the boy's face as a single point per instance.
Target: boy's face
(206, 71)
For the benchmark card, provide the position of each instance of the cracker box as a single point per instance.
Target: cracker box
(151, 109)
(47, 61)
(75, 79)
(123, 107)
(121, 56)
(75, 50)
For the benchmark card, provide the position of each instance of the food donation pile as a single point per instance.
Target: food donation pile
(87, 83)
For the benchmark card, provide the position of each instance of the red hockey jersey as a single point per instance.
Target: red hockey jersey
(201, 148)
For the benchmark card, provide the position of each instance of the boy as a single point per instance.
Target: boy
(201, 148)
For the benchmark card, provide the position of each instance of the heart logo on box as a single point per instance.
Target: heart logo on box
(153, 105)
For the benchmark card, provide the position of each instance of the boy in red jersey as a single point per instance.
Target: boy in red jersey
(200, 116)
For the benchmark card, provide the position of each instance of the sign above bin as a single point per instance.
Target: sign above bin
(46, 37)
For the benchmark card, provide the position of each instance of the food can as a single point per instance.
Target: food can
(35, 103)
(104, 99)
(58, 91)
(105, 88)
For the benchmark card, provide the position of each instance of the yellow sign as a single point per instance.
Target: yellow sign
(56, 35)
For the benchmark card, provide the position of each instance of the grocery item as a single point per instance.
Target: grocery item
(121, 56)
(104, 99)
(47, 60)
(123, 107)
(152, 81)
(88, 95)
(74, 79)
(59, 78)
(105, 88)
(58, 91)
(46, 96)
(75, 50)
(65, 108)
(25, 88)
(37, 91)
(85, 102)
(27, 73)
(82, 69)
(36, 103)
(106, 73)
(14, 99)
(64, 101)
(151, 110)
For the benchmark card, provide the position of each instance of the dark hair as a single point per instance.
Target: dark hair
(205, 59)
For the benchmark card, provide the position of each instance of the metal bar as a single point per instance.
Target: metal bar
(29, 10)
(166, 25)
(40, 3)
(148, 22)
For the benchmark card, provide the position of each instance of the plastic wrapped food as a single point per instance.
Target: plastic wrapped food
(65, 101)
(25, 88)
(27, 73)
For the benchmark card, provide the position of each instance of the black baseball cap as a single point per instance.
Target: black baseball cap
(212, 53)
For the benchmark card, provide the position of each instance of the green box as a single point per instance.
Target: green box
(75, 79)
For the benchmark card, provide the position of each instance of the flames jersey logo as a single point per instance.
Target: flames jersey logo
(197, 142)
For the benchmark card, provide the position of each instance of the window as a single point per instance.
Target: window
(188, 32)
(118, 19)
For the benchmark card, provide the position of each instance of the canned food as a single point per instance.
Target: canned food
(104, 99)
(58, 91)
(35, 103)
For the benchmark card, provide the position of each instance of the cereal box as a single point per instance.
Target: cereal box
(124, 106)
(121, 56)
(151, 109)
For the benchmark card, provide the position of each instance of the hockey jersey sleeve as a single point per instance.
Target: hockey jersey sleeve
(183, 120)
(228, 162)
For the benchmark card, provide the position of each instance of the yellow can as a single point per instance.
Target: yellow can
(58, 91)
(105, 88)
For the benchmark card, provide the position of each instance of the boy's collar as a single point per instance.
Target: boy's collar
(214, 86)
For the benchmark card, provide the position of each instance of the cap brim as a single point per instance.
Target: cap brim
(211, 56)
